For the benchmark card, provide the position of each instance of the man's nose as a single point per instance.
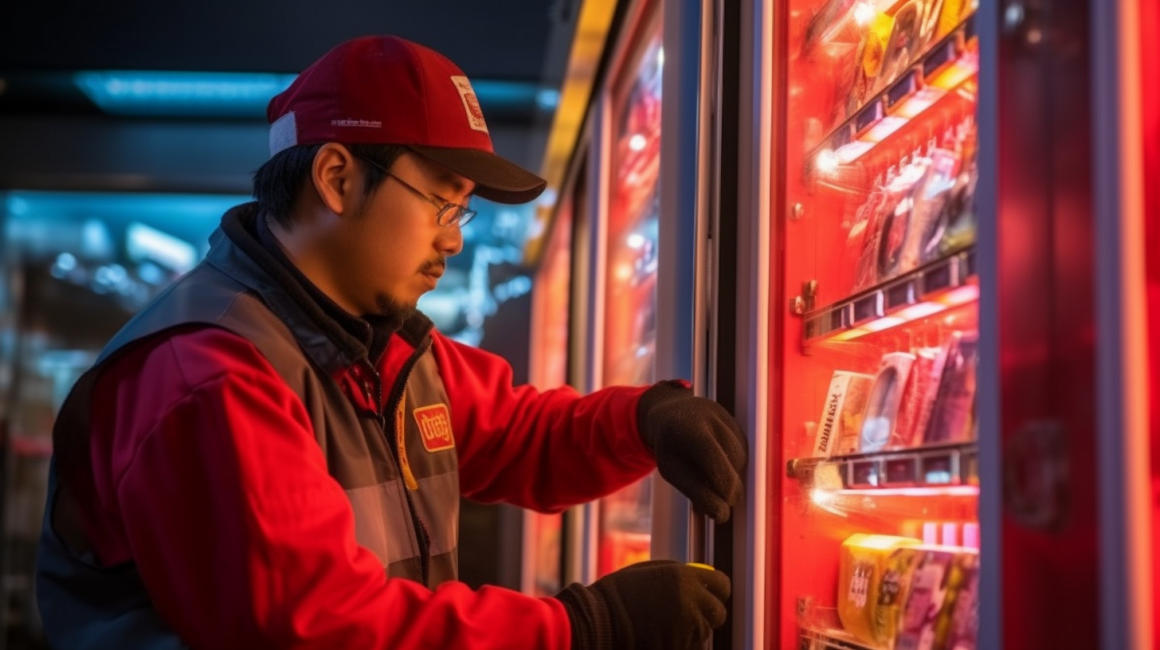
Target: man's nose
(450, 241)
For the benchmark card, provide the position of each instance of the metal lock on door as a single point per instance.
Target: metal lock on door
(1035, 475)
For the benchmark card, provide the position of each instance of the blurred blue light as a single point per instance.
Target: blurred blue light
(548, 98)
(226, 94)
(17, 206)
(142, 93)
(503, 94)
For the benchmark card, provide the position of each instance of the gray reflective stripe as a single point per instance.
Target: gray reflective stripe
(408, 569)
(443, 568)
(382, 521)
(437, 501)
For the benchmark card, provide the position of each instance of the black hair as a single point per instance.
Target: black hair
(280, 180)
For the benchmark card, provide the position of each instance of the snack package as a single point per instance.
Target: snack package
(951, 420)
(831, 54)
(951, 14)
(896, 230)
(875, 43)
(864, 237)
(960, 212)
(964, 618)
(918, 399)
(841, 419)
(939, 574)
(878, 424)
(931, 217)
(833, 22)
(904, 43)
(854, 231)
(892, 592)
(862, 563)
(930, 13)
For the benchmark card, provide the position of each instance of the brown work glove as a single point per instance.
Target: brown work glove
(700, 448)
(657, 605)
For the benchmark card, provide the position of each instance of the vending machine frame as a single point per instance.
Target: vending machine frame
(687, 275)
(636, 19)
(1023, 47)
(1127, 542)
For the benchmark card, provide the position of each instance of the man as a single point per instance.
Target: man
(271, 454)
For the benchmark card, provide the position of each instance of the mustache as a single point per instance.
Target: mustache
(433, 266)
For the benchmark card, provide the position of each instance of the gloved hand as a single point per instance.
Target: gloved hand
(656, 605)
(700, 449)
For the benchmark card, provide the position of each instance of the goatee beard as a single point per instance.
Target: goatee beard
(388, 307)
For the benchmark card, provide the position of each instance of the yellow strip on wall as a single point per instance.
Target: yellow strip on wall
(592, 27)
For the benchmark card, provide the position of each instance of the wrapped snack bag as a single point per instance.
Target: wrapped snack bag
(951, 419)
(931, 216)
(878, 424)
(939, 576)
(903, 196)
(864, 238)
(952, 13)
(863, 562)
(964, 623)
(960, 212)
(841, 419)
(902, 46)
(892, 592)
(918, 399)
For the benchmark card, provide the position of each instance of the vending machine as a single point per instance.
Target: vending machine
(545, 547)
(625, 171)
(941, 279)
(877, 429)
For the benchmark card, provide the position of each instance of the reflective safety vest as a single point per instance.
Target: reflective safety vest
(406, 506)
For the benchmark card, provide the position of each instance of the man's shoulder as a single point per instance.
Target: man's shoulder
(187, 357)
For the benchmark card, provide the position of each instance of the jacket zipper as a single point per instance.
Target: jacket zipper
(392, 438)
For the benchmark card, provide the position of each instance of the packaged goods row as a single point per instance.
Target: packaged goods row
(926, 396)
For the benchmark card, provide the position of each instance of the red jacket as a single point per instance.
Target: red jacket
(255, 508)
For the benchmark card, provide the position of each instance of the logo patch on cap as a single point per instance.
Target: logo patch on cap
(435, 427)
(470, 103)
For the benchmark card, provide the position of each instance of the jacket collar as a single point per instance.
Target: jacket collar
(331, 336)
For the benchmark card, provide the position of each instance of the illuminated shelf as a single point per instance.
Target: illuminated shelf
(830, 640)
(945, 68)
(937, 468)
(927, 290)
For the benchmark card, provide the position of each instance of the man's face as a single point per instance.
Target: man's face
(397, 249)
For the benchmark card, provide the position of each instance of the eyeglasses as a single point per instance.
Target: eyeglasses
(450, 214)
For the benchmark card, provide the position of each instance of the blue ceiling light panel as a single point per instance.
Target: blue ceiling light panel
(182, 94)
(243, 95)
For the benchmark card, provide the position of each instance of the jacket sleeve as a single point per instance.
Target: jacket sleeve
(540, 450)
(242, 538)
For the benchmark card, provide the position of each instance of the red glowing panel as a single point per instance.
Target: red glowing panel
(828, 496)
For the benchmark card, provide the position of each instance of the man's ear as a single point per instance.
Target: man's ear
(335, 177)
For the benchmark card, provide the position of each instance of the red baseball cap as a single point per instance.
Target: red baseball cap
(387, 90)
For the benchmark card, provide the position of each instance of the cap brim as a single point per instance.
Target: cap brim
(496, 178)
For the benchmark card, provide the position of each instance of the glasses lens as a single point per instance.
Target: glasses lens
(465, 215)
(454, 215)
(447, 216)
